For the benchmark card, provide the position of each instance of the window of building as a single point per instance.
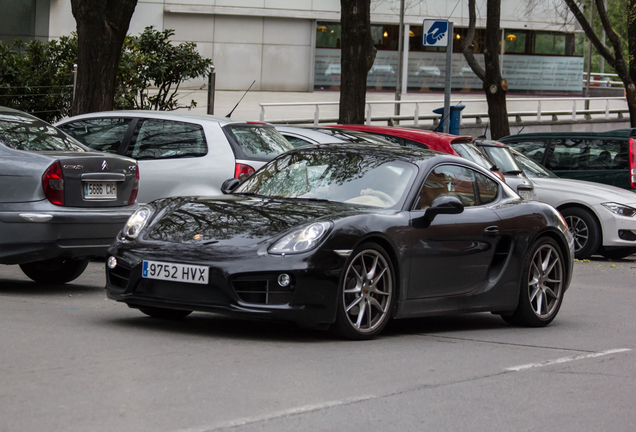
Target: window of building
(17, 20)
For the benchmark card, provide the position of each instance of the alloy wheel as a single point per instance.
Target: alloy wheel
(545, 282)
(368, 291)
(579, 230)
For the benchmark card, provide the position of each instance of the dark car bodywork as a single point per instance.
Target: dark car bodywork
(467, 262)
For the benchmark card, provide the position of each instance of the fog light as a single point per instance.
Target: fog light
(112, 262)
(284, 280)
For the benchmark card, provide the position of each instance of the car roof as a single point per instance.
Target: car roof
(618, 133)
(410, 133)
(172, 115)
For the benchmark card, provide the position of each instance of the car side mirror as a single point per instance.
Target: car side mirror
(229, 185)
(443, 204)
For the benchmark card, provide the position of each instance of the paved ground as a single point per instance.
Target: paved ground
(73, 361)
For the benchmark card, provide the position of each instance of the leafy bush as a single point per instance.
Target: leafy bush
(152, 69)
(36, 77)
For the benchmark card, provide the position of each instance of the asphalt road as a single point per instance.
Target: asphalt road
(71, 360)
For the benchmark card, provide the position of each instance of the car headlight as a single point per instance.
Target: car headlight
(301, 240)
(136, 222)
(619, 209)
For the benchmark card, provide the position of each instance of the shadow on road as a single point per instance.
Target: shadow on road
(18, 287)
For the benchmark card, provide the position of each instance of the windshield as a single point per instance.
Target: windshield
(473, 153)
(530, 168)
(501, 156)
(21, 132)
(259, 142)
(348, 176)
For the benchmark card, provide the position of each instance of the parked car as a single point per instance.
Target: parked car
(303, 135)
(601, 218)
(60, 202)
(606, 157)
(348, 236)
(409, 137)
(425, 139)
(502, 157)
(179, 154)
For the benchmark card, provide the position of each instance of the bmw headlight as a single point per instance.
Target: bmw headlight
(136, 222)
(301, 240)
(619, 209)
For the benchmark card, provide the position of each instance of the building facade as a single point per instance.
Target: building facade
(293, 45)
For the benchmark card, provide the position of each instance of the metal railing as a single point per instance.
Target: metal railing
(602, 107)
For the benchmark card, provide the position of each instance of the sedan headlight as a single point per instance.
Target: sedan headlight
(301, 240)
(136, 222)
(619, 209)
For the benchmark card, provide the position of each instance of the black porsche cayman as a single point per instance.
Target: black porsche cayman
(348, 236)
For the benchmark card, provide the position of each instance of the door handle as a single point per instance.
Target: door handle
(491, 231)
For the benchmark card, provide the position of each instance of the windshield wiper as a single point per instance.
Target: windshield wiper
(514, 172)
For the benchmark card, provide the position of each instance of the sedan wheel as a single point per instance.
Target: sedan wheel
(542, 287)
(584, 229)
(55, 271)
(366, 295)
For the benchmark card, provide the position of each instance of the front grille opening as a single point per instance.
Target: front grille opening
(263, 291)
(120, 275)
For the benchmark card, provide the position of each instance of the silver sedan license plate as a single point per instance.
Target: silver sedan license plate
(526, 195)
(100, 190)
(175, 272)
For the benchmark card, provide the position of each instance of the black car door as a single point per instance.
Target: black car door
(452, 255)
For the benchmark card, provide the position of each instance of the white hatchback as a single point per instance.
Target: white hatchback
(178, 154)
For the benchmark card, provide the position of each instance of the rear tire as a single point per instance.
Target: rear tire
(55, 271)
(164, 313)
(542, 285)
(585, 229)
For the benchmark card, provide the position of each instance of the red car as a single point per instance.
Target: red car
(440, 142)
(420, 138)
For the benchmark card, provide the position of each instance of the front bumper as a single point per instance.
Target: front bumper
(240, 287)
(619, 231)
(40, 231)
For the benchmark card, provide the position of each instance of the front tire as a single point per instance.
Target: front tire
(164, 313)
(542, 285)
(367, 294)
(585, 229)
(55, 271)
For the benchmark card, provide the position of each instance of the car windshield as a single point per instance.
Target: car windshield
(348, 176)
(473, 153)
(530, 168)
(21, 132)
(501, 156)
(259, 142)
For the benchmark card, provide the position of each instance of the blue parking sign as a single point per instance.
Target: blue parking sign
(435, 33)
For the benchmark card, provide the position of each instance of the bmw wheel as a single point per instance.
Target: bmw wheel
(366, 295)
(542, 284)
(585, 229)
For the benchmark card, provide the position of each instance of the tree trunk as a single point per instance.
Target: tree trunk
(101, 28)
(494, 85)
(356, 58)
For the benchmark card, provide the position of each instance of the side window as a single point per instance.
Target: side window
(390, 138)
(296, 141)
(608, 154)
(569, 154)
(104, 135)
(534, 149)
(164, 139)
(414, 144)
(487, 188)
(449, 180)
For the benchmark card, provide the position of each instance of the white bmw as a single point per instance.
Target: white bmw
(602, 218)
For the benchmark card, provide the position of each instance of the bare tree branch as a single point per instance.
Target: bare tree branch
(469, 46)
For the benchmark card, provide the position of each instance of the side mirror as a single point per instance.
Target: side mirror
(443, 204)
(229, 185)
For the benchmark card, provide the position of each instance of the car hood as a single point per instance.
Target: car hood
(238, 221)
(556, 191)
